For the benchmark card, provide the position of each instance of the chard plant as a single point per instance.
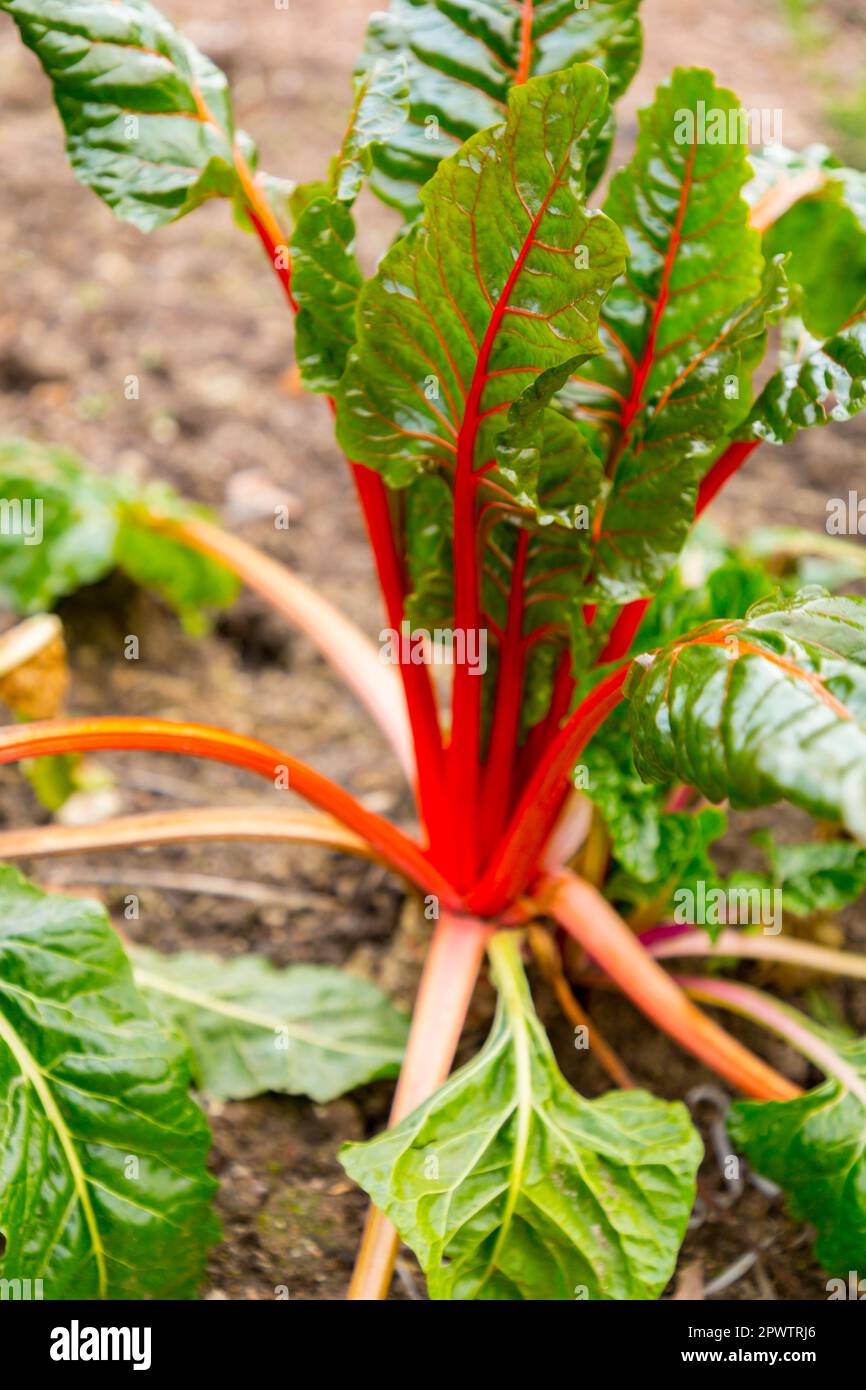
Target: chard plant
(538, 392)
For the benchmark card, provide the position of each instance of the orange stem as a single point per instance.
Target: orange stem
(590, 919)
(203, 741)
(524, 65)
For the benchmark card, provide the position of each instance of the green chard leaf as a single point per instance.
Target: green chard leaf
(66, 528)
(683, 330)
(104, 1192)
(508, 1185)
(769, 707)
(462, 60)
(148, 117)
(818, 382)
(815, 1148)
(307, 1030)
(326, 277)
(380, 109)
(484, 300)
(326, 281)
(819, 876)
(87, 525)
(654, 850)
(823, 233)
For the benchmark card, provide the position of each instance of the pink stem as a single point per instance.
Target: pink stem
(666, 942)
(786, 1023)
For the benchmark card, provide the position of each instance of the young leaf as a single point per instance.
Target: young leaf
(148, 117)
(823, 233)
(813, 1147)
(104, 1192)
(770, 707)
(68, 527)
(814, 374)
(463, 58)
(820, 876)
(307, 1030)
(61, 530)
(485, 299)
(684, 329)
(508, 1185)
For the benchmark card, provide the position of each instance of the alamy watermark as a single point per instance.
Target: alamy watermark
(443, 646)
(717, 125)
(22, 516)
(720, 907)
(846, 516)
(20, 1290)
(77, 1343)
(854, 1288)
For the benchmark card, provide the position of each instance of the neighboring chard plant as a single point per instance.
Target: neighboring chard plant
(537, 396)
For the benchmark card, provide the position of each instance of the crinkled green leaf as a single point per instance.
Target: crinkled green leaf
(463, 57)
(326, 280)
(326, 277)
(148, 117)
(683, 331)
(818, 382)
(306, 1030)
(508, 1185)
(654, 850)
(468, 308)
(815, 1148)
(68, 526)
(104, 1190)
(819, 876)
(380, 109)
(769, 707)
(824, 233)
(87, 526)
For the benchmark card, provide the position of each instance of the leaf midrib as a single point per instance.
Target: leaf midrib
(211, 1004)
(505, 955)
(33, 1074)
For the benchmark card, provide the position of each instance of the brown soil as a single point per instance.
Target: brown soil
(86, 301)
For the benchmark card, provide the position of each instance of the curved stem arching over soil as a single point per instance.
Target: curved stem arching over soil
(784, 1022)
(450, 971)
(202, 741)
(784, 950)
(179, 827)
(590, 919)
